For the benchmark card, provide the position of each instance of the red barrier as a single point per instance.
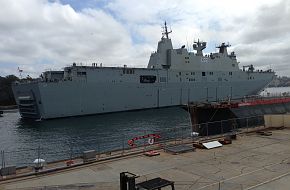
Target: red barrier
(265, 102)
(131, 142)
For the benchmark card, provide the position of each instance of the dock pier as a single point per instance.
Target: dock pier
(254, 155)
(218, 114)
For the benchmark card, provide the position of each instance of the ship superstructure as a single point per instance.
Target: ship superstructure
(173, 77)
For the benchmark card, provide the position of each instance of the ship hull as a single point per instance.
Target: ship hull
(64, 99)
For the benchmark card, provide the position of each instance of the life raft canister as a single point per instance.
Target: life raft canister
(151, 141)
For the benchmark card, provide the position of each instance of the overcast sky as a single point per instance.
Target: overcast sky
(38, 35)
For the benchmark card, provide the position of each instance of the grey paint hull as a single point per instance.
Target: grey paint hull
(64, 99)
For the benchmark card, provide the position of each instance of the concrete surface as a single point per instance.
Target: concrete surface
(252, 162)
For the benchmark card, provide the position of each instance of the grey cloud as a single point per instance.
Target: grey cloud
(263, 38)
(32, 31)
(263, 50)
(280, 64)
(270, 23)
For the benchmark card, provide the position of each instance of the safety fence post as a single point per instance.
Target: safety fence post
(38, 153)
(144, 142)
(99, 154)
(181, 135)
(247, 124)
(123, 143)
(207, 130)
(175, 136)
(71, 153)
(2, 159)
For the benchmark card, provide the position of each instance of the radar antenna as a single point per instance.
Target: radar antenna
(165, 31)
(199, 46)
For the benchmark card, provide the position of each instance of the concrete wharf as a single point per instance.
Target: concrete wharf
(253, 161)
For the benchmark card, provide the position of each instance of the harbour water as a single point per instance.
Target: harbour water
(59, 138)
(23, 141)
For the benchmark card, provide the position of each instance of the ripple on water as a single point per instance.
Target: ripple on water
(59, 137)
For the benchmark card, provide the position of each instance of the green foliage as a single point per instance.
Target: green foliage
(6, 94)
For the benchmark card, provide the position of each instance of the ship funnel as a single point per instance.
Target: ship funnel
(223, 48)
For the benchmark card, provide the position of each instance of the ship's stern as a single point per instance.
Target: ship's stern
(28, 99)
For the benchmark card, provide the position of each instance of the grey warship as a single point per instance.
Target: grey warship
(173, 77)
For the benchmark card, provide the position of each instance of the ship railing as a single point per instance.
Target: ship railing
(258, 71)
(26, 82)
(251, 98)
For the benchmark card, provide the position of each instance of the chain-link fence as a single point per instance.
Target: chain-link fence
(122, 144)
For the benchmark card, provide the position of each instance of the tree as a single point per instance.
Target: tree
(6, 94)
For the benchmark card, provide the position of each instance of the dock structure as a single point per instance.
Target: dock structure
(253, 161)
(250, 155)
(212, 112)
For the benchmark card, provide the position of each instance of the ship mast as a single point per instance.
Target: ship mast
(165, 31)
(199, 46)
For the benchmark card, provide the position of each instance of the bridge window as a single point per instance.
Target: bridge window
(147, 79)
(203, 74)
(128, 71)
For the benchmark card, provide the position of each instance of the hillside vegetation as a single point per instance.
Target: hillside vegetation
(6, 94)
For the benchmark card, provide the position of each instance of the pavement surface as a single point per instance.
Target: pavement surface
(253, 161)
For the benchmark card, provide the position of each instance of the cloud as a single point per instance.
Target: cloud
(271, 23)
(263, 40)
(59, 35)
(41, 34)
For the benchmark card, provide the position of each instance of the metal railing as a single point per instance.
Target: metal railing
(118, 145)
